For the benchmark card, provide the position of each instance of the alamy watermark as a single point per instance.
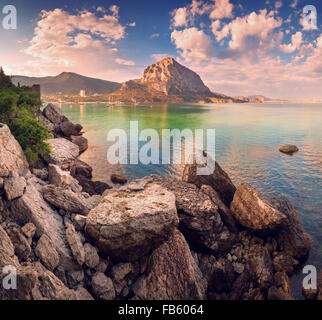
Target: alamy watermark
(9, 280)
(9, 19)
(199, 147)
(309, 21)
(310, 281)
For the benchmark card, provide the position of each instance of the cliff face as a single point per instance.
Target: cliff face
(170, 77)
(165, 81)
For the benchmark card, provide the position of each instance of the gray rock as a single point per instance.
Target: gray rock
(293, 240)
(61, 178)
(31, 207)
(21, 244)
(29, 230)
(65, 199)
(75, 277)
(45, 250)
(288, 149)
(49, 287)
(14, 187)
(91, 257)
(218, 180)
(121, 270)
(103, 287)
(12, 157)
(254, 212)
(200, 221)
(173, 275)
(75, 244)
(53, 113)
(130, 222)
(63, 153)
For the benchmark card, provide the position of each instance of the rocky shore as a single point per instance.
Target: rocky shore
(196, 238)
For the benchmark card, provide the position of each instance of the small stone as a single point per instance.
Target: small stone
(121, 270)
(117, 179)
(29, 230)
(45, 250)
(79, 222)
(75, 244)
(102, 266)
(75, 277)
(103, 287)
(288, 149)
(21, 244)
(91, 257)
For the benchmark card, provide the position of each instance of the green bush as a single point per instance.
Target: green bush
(18, 109)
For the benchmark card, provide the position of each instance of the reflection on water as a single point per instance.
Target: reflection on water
(247, 140)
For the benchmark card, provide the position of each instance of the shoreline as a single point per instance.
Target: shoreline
(231, 251)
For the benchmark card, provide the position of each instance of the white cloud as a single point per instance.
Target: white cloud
(125, 62)
(193, 44)
(132, 24)
(180, 17)
(296, 41)
(221, 9)
(249, 32)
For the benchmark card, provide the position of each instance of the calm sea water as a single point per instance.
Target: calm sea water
(247, 141)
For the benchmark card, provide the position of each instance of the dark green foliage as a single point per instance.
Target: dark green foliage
(18, 109)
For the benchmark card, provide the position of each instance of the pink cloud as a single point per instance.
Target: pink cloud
(68, 42)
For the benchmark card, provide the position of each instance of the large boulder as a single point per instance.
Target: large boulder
(254, 212)
(172, 273)
(200, 221)
(293, 240)
(12, 157)
(31, 207)
(130, 222)
(53, 114)
(218, 180)
(63, 152)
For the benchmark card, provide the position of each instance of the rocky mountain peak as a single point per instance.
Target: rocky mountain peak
(170, 77)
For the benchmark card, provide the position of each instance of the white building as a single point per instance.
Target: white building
(82, 93)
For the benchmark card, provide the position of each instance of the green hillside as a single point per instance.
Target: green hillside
(68, 83)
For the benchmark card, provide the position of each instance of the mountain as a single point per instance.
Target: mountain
(69, 83)
(166, 81)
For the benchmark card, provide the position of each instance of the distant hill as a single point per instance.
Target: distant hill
(69, 83)
(166, 81)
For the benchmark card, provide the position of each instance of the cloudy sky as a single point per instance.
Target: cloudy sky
(239, 47)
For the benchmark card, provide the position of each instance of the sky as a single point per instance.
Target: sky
(238, 47)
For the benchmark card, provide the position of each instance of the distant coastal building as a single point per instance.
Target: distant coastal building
(82, 94)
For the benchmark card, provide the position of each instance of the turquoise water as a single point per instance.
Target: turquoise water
(247, 141)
